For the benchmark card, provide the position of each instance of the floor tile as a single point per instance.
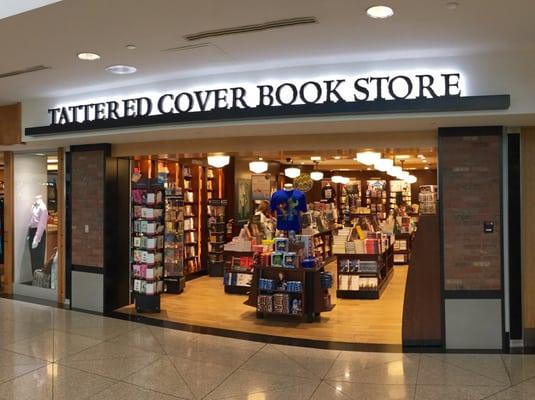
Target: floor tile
(440, 392)
(366, 391)
(325, 391)
(300, 392)
(54, 382)
(124, 391)
(107, 350)
(270, 360)
(402, 369)
(201, 377)
(243, 382)
(162, 376)
(52, 345)
(141, 338)
(436, 372)
(13, 365)
(520, 366)
(317, 361)
(489, 365)
(511, 394)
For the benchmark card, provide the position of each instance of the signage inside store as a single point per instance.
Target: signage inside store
(312, 92)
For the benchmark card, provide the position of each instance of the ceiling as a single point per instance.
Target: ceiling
(54, 34)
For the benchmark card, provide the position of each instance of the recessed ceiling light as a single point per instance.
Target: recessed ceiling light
(426, 167)
(88, 56)
(403, 157)
(452, 5)
(337, 157)
(421, 156)
(315, 158)
(131, 46)
(40, 154)
(121, 69)
(379, 12)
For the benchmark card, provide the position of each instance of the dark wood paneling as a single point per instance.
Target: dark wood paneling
(422, 319)
(10, 124)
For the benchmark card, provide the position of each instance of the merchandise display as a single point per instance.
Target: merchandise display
(376, 198)
(400, 193)
(288, 204)
(147, 243)
(216, 236)
(428, 199)
(238, 274)
(174, 278)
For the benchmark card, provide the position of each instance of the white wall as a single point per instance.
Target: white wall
(30, 181)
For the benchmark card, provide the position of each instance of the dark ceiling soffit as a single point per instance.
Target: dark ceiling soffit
(443, 104)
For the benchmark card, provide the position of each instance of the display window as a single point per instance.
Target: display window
(36, 220)
(312, 245)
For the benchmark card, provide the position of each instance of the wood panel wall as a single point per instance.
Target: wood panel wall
(528, 231)
(8, 222)
(10, 124)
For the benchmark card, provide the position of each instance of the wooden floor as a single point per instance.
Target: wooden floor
(204, 303)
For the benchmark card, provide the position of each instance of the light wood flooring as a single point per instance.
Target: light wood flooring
(204, 303)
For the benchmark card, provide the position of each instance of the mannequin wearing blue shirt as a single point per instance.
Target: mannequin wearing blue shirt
(288, 204)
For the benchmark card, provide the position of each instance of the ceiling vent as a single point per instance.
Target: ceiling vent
(282, 23)
(24, 71)
(187, 47)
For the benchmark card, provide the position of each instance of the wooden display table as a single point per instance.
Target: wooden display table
(232, 280)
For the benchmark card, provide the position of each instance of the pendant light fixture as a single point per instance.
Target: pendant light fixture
(383, 164)
(411, 179)
(291, 171)
(316, 175)
(393, 171)
(258, 167)
(218, 160)
(403, 175)
(368, 157)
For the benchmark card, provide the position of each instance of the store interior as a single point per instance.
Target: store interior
(212, 246)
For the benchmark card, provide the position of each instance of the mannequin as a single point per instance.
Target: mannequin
(328, 193)
(288, 204)
(37, 233)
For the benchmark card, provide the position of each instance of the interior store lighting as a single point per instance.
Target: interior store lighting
(316, 175)
(411, 179)
(403, 175)
(259, 166)
(368, 157)
(393, 171)
(88, 56)
(380, 12)
(383, 164)
(292, 172)
(344, 180)
(218, 161)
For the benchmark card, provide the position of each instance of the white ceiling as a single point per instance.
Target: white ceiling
(54, 34)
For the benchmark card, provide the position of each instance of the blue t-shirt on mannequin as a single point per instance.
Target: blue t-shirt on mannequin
(288, 204)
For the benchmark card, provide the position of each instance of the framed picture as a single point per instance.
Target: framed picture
(261, 186)
(243, 201)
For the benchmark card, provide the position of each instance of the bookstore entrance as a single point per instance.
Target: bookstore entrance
(317, 246)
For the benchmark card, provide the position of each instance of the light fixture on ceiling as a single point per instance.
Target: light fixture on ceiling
(452, 5)
(119, 69)
(292, 172)
(40, 154)
(379, 12)
(344, 180)
(259, 166)
(337, 178)
(420, 156)
(403, 175)
(368, 157)
(411, 179)
(315, 158)
(131, 47)
(218, 160)
(316, 175)
(337, 157)
(403, 157)
(85, 56)
(426, 167)
(393, 171)
(383, 164)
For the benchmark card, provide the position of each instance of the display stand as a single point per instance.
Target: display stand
(174, 278)
(191, 220)
(238, 271)
(216, 236)
(323, 245)
(312, 299)
(402, 248)
(364, 276)
(147, 244)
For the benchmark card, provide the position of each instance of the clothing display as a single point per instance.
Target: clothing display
(36, 238)
(328, 193)
(288, 204)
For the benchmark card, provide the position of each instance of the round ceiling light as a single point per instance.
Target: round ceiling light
(383, 164)
(218, 161)
(258, 167)
(292, 172)
(316, 175)
(344, 180)
(380, 12)
(88, 56)
(393, 171)
(411, 179)
(368, 157)
(121, 69)
(403, 175)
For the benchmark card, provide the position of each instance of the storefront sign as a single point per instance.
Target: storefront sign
(418, 92)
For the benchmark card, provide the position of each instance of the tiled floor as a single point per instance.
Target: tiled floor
(48, 353)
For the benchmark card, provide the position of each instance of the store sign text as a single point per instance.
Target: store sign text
(360, 89)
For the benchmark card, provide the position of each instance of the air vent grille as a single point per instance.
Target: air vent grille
(35, 68)
(282, 23)
(187, 47)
